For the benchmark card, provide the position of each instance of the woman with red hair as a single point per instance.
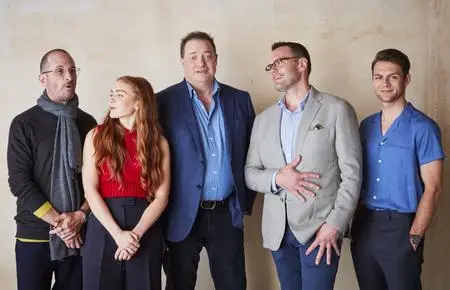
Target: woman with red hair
(126, 177)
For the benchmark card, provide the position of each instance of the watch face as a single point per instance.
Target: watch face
(416, 240)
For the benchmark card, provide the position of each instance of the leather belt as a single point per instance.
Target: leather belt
(212, 204)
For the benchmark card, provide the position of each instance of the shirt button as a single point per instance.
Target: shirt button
(379, 160)
(378, 179)
(213, 155)
(374, 197)
(213, 188)
(210, 138)
(382, 143)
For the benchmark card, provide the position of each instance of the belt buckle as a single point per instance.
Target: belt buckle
(208, 204)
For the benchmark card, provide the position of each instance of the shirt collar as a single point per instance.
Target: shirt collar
(192, 92)
(405, 115)
(300, 108)
(409, 109)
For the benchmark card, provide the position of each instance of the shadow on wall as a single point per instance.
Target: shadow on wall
(8, 278)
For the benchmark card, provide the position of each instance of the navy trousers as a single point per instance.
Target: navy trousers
(35, 269)
(101, 271)
(297, 271)
(224, 244)
(382, 253)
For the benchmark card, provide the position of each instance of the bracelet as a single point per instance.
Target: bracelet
(85, 214)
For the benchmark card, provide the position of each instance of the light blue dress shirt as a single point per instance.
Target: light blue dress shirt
(288, 130)
(218, 183)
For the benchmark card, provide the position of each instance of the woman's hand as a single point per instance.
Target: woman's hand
(127, 241)
(122, 255)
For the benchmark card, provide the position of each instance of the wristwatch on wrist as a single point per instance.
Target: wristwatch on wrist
(85, 214)
(416, 240)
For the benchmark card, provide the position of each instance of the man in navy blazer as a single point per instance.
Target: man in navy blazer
(208, 126)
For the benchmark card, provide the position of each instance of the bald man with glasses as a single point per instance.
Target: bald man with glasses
(44, 163)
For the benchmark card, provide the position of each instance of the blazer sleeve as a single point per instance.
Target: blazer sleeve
(251, 117)
(257, 177)
(349, 154)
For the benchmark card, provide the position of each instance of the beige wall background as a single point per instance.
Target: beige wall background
(110, 38)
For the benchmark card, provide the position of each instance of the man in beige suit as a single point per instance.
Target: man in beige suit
(305, 156)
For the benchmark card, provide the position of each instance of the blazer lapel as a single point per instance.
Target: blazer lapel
(309, 113)
(227, 103)
(273, 131)
(187, 114)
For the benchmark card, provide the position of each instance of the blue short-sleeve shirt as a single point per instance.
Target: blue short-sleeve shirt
(392, 162)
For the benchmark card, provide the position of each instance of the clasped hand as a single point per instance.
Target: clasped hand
(127, 245)
(68, 227)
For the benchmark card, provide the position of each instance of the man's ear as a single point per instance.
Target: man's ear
(407, 79)
(43, 79)
(303, 64)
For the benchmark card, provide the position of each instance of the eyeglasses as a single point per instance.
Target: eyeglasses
(278, 62)
(60, 71)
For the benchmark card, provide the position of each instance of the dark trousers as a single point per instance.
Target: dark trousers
(101, 271)
(35, 269)
(297, 271)
(224, 244)
(382, 253)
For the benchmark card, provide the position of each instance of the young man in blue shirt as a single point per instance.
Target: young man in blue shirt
(403, 160)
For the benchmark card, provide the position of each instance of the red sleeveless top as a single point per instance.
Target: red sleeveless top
(131, 179)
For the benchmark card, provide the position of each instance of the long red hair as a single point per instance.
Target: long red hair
(109, 138)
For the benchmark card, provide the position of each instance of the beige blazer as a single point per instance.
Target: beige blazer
(328, 141)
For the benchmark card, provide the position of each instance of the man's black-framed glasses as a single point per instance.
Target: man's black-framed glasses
(278, 62)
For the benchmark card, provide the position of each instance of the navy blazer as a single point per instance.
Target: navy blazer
(180, 126)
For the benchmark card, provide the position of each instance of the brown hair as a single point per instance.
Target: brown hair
(395, 56)
(109, 138)
(197, 35)
(297, 49)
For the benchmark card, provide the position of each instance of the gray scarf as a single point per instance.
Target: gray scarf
(65, 188)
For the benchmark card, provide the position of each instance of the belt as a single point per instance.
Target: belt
(384, 214)
(212, 204)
